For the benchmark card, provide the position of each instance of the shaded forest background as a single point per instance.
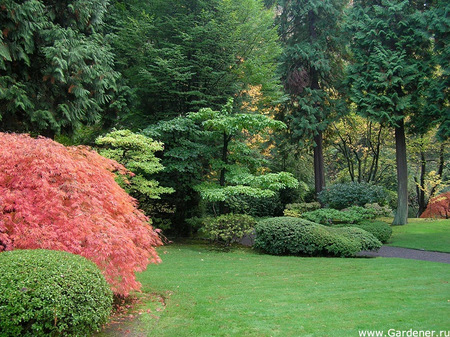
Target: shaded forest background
(237, 106)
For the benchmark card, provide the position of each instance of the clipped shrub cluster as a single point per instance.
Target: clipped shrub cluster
(51, 293)
(297, 209)
(329, 216)
(326, 216)
(340, 196)
(228, 228)
(289, 235)
(358, 213)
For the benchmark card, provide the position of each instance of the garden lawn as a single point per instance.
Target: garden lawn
(423, 234)
(242, 293)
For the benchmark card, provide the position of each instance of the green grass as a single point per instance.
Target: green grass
(424, 234)
(242, 293)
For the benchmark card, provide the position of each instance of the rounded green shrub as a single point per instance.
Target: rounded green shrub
(289, 235)
(380, 229)
(326, 216)
(340, 196)
(228, 227)
(366, 240)
(51, 293)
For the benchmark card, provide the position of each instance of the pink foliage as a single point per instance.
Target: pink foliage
(66, 198)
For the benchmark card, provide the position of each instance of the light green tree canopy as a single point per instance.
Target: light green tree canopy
(137, 153)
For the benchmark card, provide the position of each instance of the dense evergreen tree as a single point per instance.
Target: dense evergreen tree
(55, 65)
(437, 106)
(179, 56)
(312, 64)
(390, 74)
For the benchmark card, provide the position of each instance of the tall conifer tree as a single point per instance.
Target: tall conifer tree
(311, 65)
(183, 55)
(390, 74)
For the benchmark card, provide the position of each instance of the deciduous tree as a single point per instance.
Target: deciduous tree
(209, 154)
(66, 198)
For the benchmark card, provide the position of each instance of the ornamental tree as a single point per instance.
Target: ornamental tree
(438, 207)
(137, 153)
(66, 198)
(236, 167)
(218, 144)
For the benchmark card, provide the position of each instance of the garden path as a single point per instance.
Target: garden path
(388, 251)
(407, 253)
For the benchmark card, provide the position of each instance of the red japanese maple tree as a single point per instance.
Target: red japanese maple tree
(438, 207)
(66, 198)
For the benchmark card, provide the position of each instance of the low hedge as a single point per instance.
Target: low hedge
(289, 235)
(51, 293)
(380, 229)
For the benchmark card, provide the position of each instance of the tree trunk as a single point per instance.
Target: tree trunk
(439, 172)
(420, 185)
(401, 216)
(226, 140)
(319, 176)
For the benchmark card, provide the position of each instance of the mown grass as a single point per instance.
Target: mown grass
(426, 234)
(243, 293)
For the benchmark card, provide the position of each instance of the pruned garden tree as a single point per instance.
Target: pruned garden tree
(209, 155)
(137, 153)
(66, 198)
(55, 66)
(236, 168)
(390, 73)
